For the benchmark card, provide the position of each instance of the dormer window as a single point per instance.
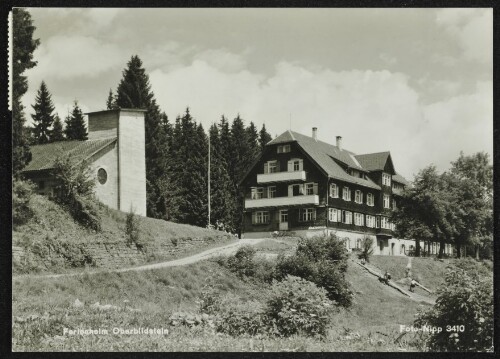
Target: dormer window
(284, 149)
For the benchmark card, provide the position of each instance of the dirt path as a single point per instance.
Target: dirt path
(223, 250)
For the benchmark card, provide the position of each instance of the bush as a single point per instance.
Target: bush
(237, 318)
(297, 306)
(75, 192)
(242, 263)
(464, 305)
(366, 248)
(132, 230)
(323, 261)
(21, 196)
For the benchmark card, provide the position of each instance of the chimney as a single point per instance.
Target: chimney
(339, 142)
(315, 133)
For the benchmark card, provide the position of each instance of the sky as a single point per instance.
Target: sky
(415, 82)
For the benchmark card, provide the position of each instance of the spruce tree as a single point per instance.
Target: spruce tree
(264, 137)
(23, 46)
(223, 203)
(57, 130)
(43, 118)
(241, 157)
(111, 101)
(253, 142)
(75, 125)
(134, 91)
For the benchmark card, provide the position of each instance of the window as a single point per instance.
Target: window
(284, 216)
(377, 222)
(334, 215)
(370, 221)
(307, 214)
(102, 175)
(271, 167)
(347, 217)
(387, 201)
(386, 179)
(358, 196)
(358, 243)
(311, 188)
(284, 149)
(334, 190)
(295, 164)
(394, 204)
(385, 223)
(260, 217)
(347, 243)
(295, 190)
(369, 199)
(271, 191)
(257, 192)
(346, 194)
(359, 219)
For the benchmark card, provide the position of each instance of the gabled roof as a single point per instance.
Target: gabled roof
(327, 157)
(374, 161)
(44, 156)
(400, 179)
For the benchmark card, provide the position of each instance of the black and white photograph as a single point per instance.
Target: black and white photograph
(252, 179)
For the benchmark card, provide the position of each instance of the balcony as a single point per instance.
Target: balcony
(281, 176)
(282, 201)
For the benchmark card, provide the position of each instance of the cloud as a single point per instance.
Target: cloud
(75, 56)
(473, 29)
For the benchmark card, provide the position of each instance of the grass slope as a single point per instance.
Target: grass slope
(147, 299)
(51, 225)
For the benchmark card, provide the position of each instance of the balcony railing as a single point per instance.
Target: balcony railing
(281, 176)
(282, 201)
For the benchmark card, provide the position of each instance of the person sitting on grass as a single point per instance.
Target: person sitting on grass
(363, 261)
(387, 277)
(412, 285)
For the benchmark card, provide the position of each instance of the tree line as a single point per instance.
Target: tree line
(455, 206)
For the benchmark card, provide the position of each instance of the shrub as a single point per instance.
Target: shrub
(242, 263)
(465, 307)
(75, 192)
(297, 306)
(366, 248)
(237, 318)
(132, 230)
(21, 196)
(323, 261)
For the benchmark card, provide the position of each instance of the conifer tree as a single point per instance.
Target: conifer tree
(43, 118)
(75, 125)
(134, 91)
(23, 45)
(239, 150)
(111, 101)
(223, 203)
(253, 142)
(57, 130)
(264, 137)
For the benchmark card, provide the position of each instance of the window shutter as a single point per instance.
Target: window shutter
(315, 190)
(290, 191)
(301, 189)
(314, 214)
(253, 217)
(266, 168)
(290, 166)
(277, 166)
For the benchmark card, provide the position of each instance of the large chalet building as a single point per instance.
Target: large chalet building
(304, 185)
